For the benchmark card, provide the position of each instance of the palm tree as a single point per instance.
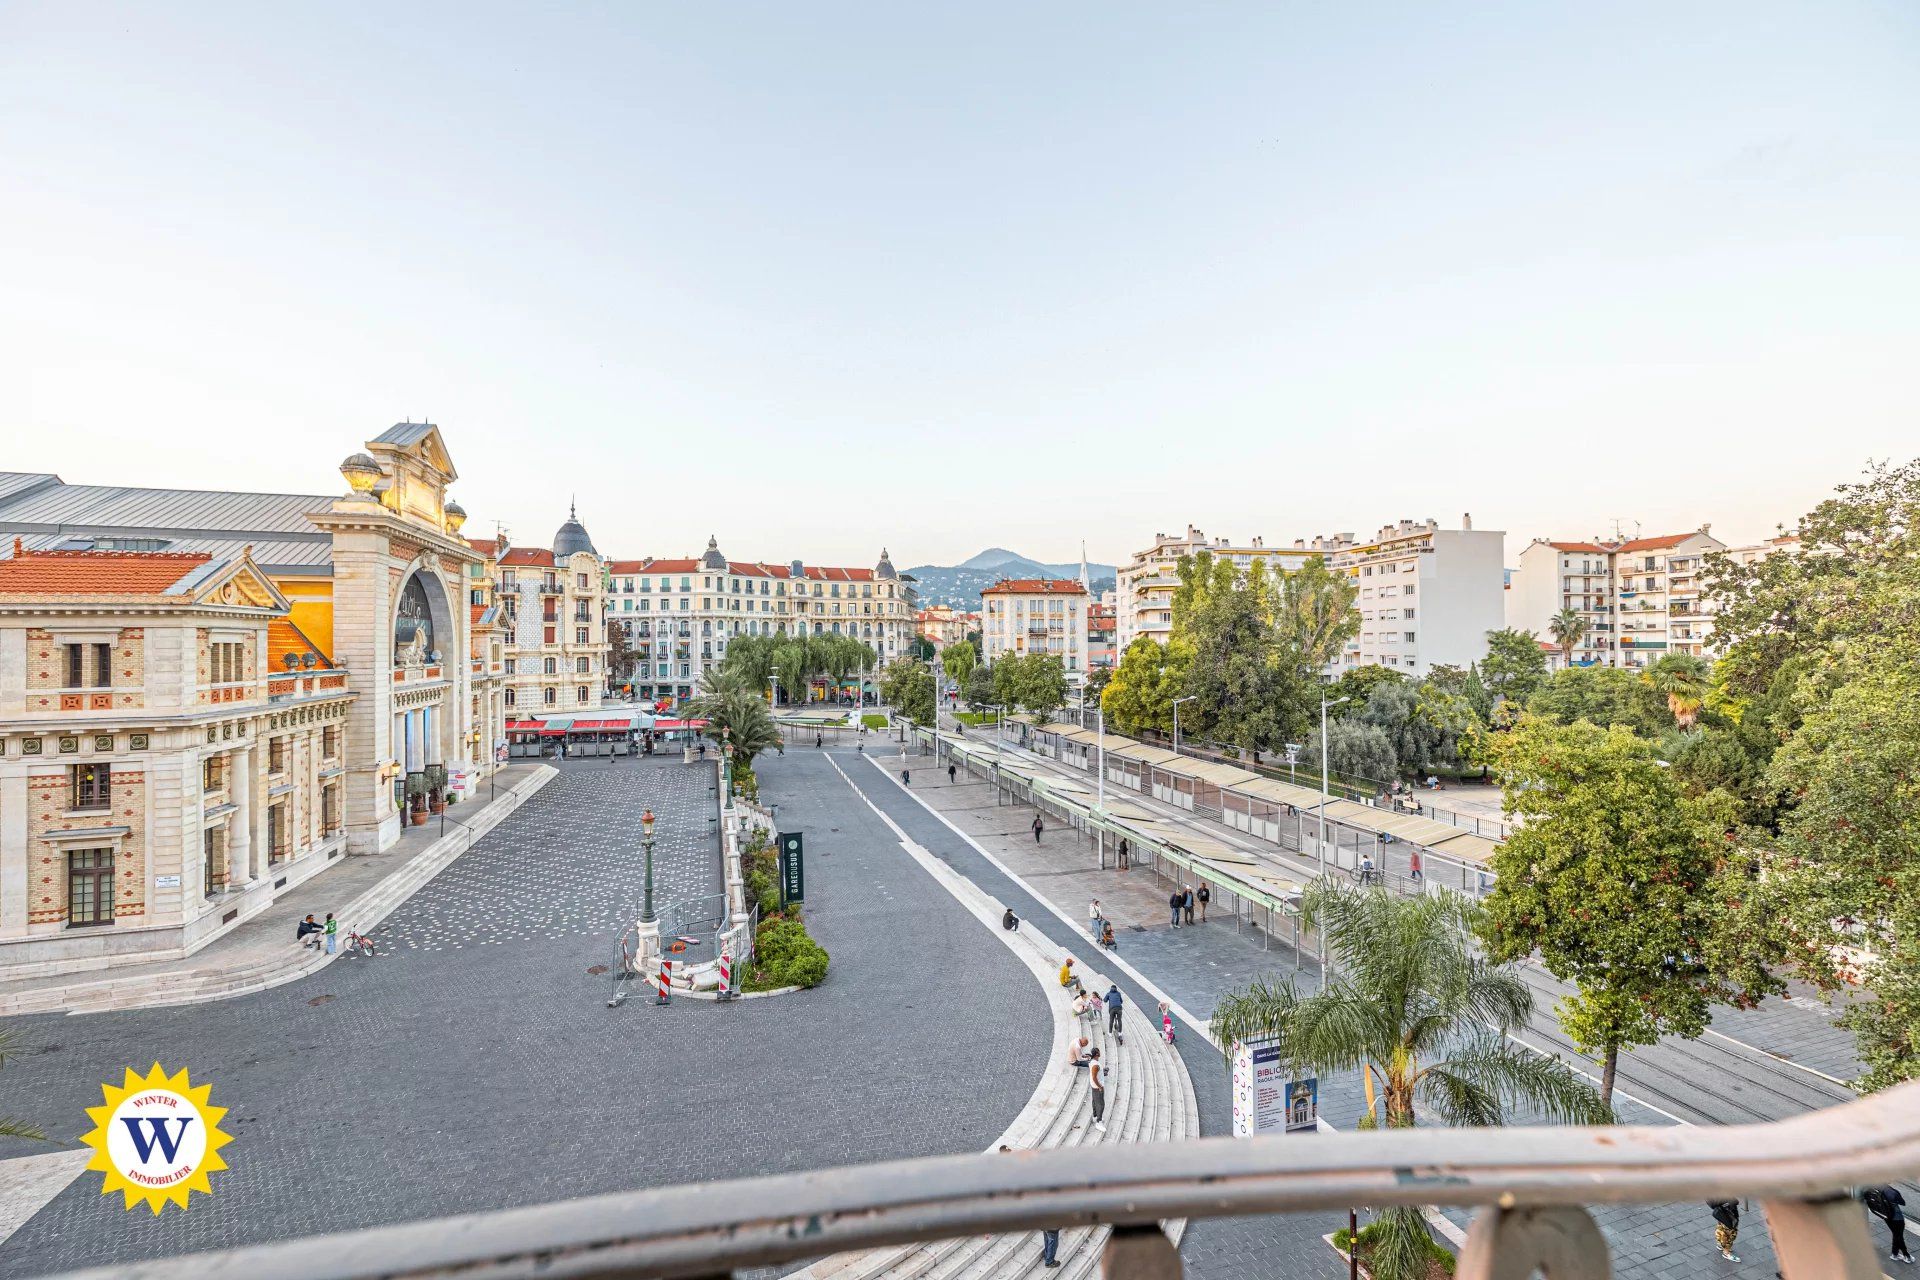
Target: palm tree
(1568, 629)
(1425, 1020)
(737, 715)
(1683, 679)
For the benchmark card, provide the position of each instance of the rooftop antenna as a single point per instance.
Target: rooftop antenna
(1617, 535)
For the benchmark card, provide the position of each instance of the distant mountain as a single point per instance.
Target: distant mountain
(960, 585)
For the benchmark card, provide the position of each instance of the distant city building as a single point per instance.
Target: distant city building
(1100, 633)
(551, 620)
(1144, 591)
(1037, 615)
(944, 625)
(678, 615)
(1640, 597)
(1427, 596)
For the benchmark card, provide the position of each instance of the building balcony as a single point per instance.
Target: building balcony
(1529, 1185)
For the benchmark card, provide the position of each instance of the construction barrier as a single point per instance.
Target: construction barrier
(666, 982)
(726, 976)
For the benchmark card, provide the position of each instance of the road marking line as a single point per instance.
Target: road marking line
(1785, 1062)
(28, 1183)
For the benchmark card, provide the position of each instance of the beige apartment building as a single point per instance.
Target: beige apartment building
(1641, 598)
(551, 620)
(1037, 615)
(944, 625)
(678, 615)
(1143, 595)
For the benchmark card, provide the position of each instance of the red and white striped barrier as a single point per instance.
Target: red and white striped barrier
(726, 976)
(666, 981)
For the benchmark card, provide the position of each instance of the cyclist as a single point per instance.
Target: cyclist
(1367, 873)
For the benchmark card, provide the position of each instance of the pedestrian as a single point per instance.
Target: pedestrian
(1097, 1089)
(560, 749)
(332, 927)
(819, 740)
(1049, 1246)
(1123, 854)
(1166, 1021)
(952, 770)
(1093, 915)
(703, 750)
(906, 777)
(1726, 1226)
(1186, 901)
(1106, 936)
(1206, 896)
(1888, 1205)
(1068, 978)
(1038, 827)
(1114, 1005)
(308, 933)
(1176, 900)
(1413, 863)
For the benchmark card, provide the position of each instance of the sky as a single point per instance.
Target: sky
(822, 278)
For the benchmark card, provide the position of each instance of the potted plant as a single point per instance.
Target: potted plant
(417, 798)
(436, 788)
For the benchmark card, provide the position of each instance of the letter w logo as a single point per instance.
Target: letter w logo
(155, 1136)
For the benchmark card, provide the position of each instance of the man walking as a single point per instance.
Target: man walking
(1726, 1226)
(1038, 827)
(819, 741)
(1888, 1205)
(332, 927)
(952, 770)
(1114, 1003)
(1186, 901)
(1123, 853)
(1206, 896)
(906, 777)
(1097, 1086)
(1094, 917)
(1175, 900)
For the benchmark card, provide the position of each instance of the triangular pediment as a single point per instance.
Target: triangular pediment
(239, 584)
(420, 441)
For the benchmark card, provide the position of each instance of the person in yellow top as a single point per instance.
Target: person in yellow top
(1068, 978)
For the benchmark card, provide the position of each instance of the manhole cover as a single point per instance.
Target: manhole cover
(319, 999)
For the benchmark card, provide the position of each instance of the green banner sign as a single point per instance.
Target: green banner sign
(793, 868)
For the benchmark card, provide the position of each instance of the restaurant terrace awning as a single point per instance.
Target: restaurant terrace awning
(1467, 847)
(1141, 752)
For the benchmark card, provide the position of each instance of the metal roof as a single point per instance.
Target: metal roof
(49, 515)
(16, 482)
(275, 555)
(403, 434)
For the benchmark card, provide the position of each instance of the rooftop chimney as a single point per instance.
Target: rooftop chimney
(1466, 521)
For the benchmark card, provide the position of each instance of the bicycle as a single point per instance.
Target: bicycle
(1368, 876)
(359, 944)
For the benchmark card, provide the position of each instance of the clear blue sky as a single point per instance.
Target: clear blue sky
(819, 277)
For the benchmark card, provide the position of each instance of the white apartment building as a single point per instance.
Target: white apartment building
(1143, 604)
(1037, 615)
(1641, 597)
(678, 615)
(1427, 596)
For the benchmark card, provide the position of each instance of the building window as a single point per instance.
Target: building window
(329, 810)
(90, 887)
(550, 698)
(580, 581)
(277, 841)
(89, 666)
(582, 666)
(549, 635)
(210, 861)
(509, 700)
(580, 695)
(580, 636)
(213, 773)
(330, 742)
(277, 755)
(92, 786)
(549, 665)
(510, 666)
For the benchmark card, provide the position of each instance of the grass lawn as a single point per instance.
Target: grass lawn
(873, 721)
(975, 717)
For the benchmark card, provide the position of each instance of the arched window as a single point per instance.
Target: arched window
(413, 622)
(509, 697)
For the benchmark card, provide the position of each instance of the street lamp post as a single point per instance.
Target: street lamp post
(648, 927)
(1176, 720)
(1321, 838)
(1100, 783)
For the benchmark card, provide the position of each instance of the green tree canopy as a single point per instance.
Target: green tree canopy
(1139, 697)
(1316, 616)
(1514, 665)
(1626, 886)
(1356, 684)
(1603, 696)
(958, 660)
(1356, 750)
(907, 687)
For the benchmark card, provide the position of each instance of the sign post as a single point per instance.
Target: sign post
(1266, 1099)
(793, 868)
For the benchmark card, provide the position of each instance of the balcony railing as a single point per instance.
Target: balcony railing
(1531, 1184)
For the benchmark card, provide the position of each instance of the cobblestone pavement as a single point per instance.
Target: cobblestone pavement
(1706, 1081)
(490, 1073)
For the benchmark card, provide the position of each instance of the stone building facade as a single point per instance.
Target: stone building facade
(178, 745)
(551, 621)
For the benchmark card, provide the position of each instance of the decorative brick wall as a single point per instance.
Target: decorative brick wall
(130, 667)
(47, 672)
(47, 798)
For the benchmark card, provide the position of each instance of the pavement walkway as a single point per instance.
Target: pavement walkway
(261, 952)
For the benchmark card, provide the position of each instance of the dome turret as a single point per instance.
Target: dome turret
(713, 559)
(571, 538)
(885, 569)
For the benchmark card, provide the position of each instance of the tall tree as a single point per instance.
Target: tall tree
(1514, 665)
(620, 655)
(1568, 629)
(958, 661)
(1621, 882)
(1602, 696)
(1356, 685)
(1241, 694)
(1139, 697)
(907, 687)
(1356, 750)
(1316, 616)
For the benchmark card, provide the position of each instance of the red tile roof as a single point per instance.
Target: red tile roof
(283, 638)
(528, 556)
(488, 547)
(1034, 586)
(1656, 544)
(839, 575)
(1578, 546)
(672, 566)
(95, 573)
(627, 566)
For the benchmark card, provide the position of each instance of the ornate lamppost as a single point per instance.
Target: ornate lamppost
(649, 924)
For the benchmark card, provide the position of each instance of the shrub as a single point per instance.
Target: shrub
(785, 955)
(1409, 1227)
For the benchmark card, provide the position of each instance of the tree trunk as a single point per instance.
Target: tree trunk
(1606, 1073)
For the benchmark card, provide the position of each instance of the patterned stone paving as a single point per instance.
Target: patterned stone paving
(570, 864)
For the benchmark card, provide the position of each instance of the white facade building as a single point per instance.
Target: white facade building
(1143, 597)
(1037, 615)
(1640, 597)
(1427, 596)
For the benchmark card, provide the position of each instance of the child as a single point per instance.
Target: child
(1166, 1021)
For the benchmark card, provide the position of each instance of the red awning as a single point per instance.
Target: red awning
(522, 724)
(603, 725)
(554, 733)
(663, 726)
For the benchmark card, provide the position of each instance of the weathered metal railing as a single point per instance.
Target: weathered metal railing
(1533, 1183)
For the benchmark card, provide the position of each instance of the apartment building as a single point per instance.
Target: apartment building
(944, 625)
(1640, 597)
(1427, 596)
(1101, 651)
(678, 614)
(551, 620)
(1143, 595)
(1037, 615)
